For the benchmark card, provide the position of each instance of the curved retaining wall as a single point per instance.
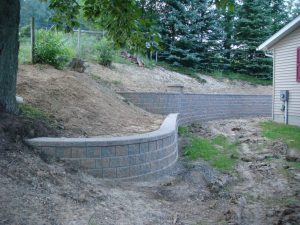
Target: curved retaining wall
(128, 157)
(202, 107)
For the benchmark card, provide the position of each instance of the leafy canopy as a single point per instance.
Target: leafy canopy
(126, 21)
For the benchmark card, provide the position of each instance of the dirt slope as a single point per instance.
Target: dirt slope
(262, 191)
(132, 78)
(83, 106)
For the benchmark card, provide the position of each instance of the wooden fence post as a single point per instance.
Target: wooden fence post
(32, 33)
(78, 43)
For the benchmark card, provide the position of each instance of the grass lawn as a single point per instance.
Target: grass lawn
(218, 151)
(288, 133)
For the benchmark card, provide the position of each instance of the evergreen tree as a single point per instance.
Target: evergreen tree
(190, 33)
(253, 27)
(293, 8)
(227, 25)
(279, 15)
(37, 9)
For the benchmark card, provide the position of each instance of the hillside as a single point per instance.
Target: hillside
(123, 77)
(81, 106)
(86, 104)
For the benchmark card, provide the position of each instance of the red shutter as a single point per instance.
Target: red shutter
(298, 65)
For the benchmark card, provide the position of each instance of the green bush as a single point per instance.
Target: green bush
(105, 52)
(25, 31)
(50, 49)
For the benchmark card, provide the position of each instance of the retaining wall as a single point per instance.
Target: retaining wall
(129, 157)
(151, 154)
(202, 107)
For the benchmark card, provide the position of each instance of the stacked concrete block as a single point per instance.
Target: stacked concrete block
(129, 157)
(202, 107)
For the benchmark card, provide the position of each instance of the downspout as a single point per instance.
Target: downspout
(271, 54)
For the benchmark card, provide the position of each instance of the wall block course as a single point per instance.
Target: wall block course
(108, 151)
(143, 156)
(118, 158)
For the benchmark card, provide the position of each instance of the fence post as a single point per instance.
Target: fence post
(78, 43)
(32, 33)
(156, 57)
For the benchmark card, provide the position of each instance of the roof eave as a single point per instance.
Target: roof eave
(290, 27)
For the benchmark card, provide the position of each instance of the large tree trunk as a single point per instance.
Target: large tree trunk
(9, 47)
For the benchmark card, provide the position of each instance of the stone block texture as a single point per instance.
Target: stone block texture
(202, 107)
(149, 155)
(134, 157)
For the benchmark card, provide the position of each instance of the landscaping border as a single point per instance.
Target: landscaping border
(129, 157)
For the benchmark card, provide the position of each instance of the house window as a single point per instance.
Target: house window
(298, 65)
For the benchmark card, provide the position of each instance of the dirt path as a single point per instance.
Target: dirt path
(263, 190)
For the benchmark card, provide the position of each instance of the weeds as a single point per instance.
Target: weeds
(24, 51)
(183, 131)
(31, 112)
(288, 133)
(237, 76)
(218, 151)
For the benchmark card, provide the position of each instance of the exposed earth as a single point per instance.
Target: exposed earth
(132, 78)
(80, 105)
(263, 189)
(86, 104)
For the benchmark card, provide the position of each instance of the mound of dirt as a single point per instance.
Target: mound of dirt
(13, 129)
(83, 106)
(133, 78)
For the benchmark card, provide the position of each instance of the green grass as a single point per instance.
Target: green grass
(241, 77)
(25, 51)
(34, 113)
(219, 152)
(183, 131)
(288, 133)
(89, 53)
(216, 74)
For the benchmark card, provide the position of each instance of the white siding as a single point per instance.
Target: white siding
(285, 56)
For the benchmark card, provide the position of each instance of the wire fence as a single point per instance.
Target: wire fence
(81, 42)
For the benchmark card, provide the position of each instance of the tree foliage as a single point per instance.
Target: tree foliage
(34, 8)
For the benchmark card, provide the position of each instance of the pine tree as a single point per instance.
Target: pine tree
(279, 15)
(227, 26)
(253, 27)
(188, 30)
(294, 8)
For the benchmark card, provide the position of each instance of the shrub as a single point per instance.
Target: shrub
(105, 52)
(25, 31)
(50, 49)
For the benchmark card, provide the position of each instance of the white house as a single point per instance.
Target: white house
(284, 46)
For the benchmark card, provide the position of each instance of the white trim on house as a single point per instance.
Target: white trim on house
(290, 27)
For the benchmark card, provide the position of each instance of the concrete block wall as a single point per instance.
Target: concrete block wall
(202, 107)
(128, 157)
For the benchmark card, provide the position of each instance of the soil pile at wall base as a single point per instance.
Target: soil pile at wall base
(13, 130)
(81, 105)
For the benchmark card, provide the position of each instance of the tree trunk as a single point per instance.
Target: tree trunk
(9, 47)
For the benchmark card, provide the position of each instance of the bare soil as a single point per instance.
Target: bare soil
(263, 190)
(133, 78)
(86, 104)
(80, 105)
